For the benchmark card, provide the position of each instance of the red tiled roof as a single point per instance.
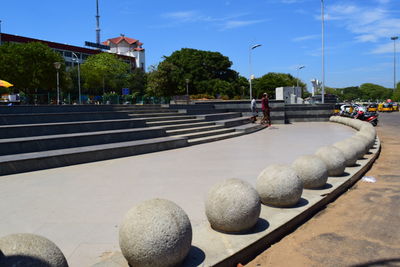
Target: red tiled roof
(117, 40)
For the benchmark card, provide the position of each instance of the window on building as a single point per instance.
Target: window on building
(67, 54)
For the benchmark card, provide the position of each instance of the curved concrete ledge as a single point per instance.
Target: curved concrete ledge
(213, 248)
(227, 250)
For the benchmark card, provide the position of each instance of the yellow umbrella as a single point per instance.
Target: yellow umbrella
(5, 84)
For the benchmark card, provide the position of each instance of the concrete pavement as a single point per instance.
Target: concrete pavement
(79, 207)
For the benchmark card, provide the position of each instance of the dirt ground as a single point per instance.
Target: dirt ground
(361, 228)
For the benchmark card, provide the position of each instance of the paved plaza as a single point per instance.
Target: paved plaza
(80, 207)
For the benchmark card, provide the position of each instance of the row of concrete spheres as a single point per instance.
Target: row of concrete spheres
(158, 232)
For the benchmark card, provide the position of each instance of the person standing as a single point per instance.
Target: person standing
(266, 110)
(254, 112)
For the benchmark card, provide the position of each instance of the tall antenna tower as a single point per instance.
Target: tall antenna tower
(97, 23)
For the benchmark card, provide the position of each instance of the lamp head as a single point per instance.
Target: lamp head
(255, 46)
(57, 65)
(394, 38)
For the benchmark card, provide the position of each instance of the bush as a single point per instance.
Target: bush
(202, 96)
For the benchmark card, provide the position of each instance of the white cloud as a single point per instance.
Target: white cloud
(306, 37)
(224, 23)
(369, 24)
(231, 24)
(385, 48)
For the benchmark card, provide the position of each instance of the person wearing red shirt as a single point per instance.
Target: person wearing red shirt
(265, 109)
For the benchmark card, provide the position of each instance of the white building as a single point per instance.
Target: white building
(128, 47)
(291, 95)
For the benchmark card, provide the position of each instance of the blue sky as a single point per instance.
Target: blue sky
(358, 47)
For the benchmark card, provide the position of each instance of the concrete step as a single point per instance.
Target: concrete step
(233, 122)
(39, 129)
(250, 127)
(62, 141)
(173, 122)
(202, 140)
(193, 130)
(207, 133)
(34, 118)
(12, 164)
(168, 118)
(219, 116)
(188, 125)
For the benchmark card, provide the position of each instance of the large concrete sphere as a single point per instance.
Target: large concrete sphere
(279, 186)
(311, 170)
(233, 205)
(156, 232)
(349, 150)
(366, 143)
(367, 138)
(333, 158)
(22, 250)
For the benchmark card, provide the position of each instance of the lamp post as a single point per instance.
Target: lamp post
(57, 65)
(323, 53)
(79, 77)
(187, 90)
(394, 38)
(0, 32)
(251, 69)
(298, 70)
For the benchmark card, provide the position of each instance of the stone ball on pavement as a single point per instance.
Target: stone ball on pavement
(30, 250)
(279, 186)
(311, 170)
(349, 150)
(333, 158)
(156, 232)
(232, 206)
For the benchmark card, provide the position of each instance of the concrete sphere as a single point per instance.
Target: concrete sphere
(340, 120)
(311, 170)
(232, 206)
(349, 150)
(332, 118)
(366, 142)
(333, 158)
(30, 250)
(156, 232)
(279, 186)
(369, 138)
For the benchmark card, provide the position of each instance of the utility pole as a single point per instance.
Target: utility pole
(323, 53)
(394, 38)
(97, 23)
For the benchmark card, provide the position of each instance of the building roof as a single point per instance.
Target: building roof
(121, 38)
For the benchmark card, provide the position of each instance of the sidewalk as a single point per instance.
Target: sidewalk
(79, 207)
(361, 228)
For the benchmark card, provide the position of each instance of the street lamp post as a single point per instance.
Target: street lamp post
(251, 69)
(394, 38)
(298, 70)
(79, 77)
(187, 90)
(323, 53)
(57, 65)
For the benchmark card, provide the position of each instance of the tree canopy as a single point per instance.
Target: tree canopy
(270, 81)
(104, 72)
(30, 67)
(206, 73)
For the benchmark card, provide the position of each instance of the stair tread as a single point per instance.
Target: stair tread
(195, 128)
(214, 137)
(64, 151)
(207, 132)
(55, 136)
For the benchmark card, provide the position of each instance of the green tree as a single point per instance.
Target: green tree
(396, 93)
(104, 72)
(30, 67)
(374, 92)
(269, 82)
(137, 81)
(207, 72)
